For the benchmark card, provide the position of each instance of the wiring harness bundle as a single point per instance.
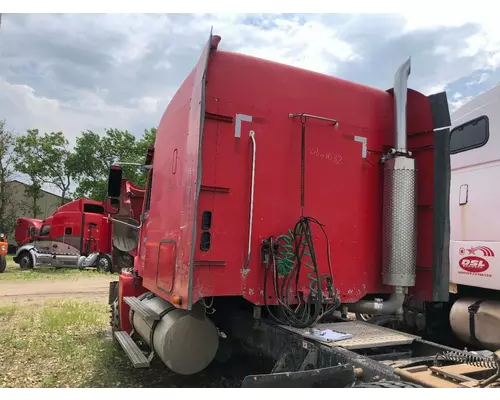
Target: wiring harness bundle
(283, 258)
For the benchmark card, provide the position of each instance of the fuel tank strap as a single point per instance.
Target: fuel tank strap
(155, 323)
(473, 309)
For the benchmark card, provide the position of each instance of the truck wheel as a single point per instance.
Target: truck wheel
(103, 264)
(3, 264)
(388, 385)
(114, 312)
(25, 260)
(115, 316)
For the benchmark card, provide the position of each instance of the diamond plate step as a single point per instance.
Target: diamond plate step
(140, 308)
(133, 352)
(364, 335)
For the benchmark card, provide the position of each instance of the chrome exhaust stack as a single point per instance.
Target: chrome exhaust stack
(400, 100)
(400, 197)
(399, 234)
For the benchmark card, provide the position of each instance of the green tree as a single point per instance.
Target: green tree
(46, 159)
(148, 139)
(59, 162)
(8, 206)
(28, 162)
(94, 154)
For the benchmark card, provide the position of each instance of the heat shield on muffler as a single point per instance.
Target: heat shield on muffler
(399, 250)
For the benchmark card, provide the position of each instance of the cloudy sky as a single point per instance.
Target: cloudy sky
(75, 72)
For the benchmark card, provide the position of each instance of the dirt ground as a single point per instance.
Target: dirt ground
(18, 292)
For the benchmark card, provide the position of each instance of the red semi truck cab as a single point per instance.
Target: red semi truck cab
(281, 193)
(78, 234)
(26, 230)
(245, 149)
(264, 144)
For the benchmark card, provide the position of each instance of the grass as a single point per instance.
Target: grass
(53, 345)
(68, 344)
(14, 272)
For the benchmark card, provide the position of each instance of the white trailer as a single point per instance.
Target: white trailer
(475, 221)
(475, 193)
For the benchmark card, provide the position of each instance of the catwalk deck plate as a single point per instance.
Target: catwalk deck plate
(364, 335)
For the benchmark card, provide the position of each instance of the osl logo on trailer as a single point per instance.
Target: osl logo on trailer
(474, 264)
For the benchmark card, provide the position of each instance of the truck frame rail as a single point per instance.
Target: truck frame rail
(373, 356)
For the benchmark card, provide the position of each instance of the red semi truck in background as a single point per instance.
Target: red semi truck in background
(277, 201)
(77, 235)
(26, 230)
(80, 235)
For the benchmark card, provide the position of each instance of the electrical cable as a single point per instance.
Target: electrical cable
(292, 258)
(288, 265)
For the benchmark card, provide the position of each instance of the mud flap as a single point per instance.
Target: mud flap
(338, 376)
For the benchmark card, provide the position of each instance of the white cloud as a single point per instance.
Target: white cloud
(482, 78)
(147, 104)
(456, 103)
(482, 48)
(92, 71)
(108, 70)
(23, 96)
(486, 41)
(312, 44)
(428, 90)
(25, 110)
(24, 107)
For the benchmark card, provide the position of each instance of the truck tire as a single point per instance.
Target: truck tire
(388, 385)
(25, 260)
(114, 312)
(3, 264)
(104, 264)
(115, 317)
